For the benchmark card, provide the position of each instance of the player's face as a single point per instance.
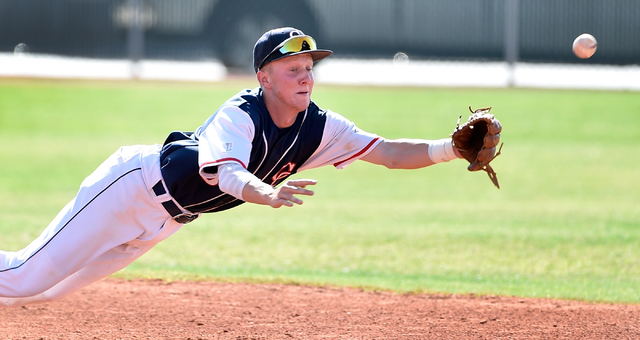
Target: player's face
(292, 80)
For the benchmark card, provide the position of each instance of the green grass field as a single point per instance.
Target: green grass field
(564, 225)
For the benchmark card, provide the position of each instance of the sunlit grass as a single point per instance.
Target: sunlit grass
(564, 224)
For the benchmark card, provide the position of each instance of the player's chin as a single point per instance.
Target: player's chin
(302, 100)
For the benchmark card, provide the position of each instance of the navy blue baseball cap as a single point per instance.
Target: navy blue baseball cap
(284, 42)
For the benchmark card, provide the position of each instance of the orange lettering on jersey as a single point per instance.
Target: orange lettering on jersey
(283, 173)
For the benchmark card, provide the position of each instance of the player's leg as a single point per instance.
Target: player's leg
(110, 262)
(113, 207)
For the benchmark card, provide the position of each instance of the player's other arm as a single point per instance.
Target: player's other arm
(240, 183)
(412, 153)
(262, 193)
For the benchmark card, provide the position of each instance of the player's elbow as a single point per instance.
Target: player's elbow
(393, 158)
(392, 163)
(386, 155)
(384, 160)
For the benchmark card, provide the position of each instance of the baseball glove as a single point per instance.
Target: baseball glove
(476, 140)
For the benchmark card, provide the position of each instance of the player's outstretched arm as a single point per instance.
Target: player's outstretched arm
(412, 153)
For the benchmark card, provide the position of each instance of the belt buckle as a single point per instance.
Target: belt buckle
(185, 218)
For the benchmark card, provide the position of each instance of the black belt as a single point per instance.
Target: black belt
(173, 210)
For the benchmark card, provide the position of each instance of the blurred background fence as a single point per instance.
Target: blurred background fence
(536, 31)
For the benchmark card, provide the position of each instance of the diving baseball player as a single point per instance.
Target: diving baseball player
(243, 153)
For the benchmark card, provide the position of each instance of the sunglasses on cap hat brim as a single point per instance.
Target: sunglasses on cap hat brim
(295, 45)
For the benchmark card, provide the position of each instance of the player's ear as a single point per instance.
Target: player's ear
(264, 79)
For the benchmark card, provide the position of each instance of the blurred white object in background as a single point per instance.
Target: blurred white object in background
(27, 65)
(384, 72)
(380, 72)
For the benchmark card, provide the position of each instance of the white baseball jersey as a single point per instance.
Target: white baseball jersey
(242, 131)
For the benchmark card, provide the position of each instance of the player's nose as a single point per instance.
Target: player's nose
(307, 77)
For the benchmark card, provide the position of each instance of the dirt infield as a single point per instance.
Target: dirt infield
(118, 309)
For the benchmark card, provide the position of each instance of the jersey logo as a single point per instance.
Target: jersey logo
(228, 147)
(283, 173)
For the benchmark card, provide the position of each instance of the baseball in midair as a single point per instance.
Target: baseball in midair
(585, 46)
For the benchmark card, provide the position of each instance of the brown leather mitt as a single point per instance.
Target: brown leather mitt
(476, 140)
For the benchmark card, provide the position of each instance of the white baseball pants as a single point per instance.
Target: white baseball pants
(114, 219)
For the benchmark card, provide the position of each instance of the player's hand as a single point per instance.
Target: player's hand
(284, 194)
